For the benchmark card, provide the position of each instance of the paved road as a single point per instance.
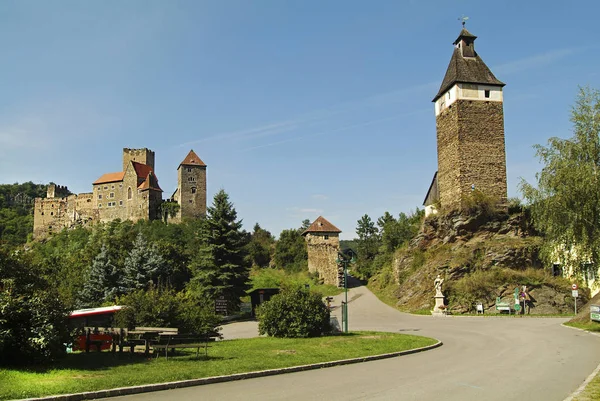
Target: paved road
(481, 359)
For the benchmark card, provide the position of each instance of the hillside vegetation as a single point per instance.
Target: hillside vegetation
(481, 254)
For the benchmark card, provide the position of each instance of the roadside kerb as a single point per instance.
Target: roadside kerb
(590, 377)
(116, 392)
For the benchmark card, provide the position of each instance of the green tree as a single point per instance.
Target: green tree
(290, 251)
(565, 205)
(101, 282)
(143, 266)
(260, 247)
(221, 267)
(305, 225)
(33, 320)
(367, 246)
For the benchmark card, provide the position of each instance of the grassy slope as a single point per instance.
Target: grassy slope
(88, 372)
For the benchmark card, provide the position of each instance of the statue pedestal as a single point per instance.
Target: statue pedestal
(439, 301)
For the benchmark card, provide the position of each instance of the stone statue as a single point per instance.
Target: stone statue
(438, 286)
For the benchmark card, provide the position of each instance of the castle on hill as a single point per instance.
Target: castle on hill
(131, 194)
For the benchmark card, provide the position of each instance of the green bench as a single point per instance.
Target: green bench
(502, 306)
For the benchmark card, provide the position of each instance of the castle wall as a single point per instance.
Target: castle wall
(53, 214)
(471, 151)
(323, 251)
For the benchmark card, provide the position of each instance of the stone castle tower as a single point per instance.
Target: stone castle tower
(142, 156)
(323, 245)
(470, 130)
(191, 187)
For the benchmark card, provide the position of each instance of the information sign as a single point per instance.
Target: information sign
(221, 305)
(595, 313)
(575, 293)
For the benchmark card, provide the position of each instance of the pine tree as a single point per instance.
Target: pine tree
(143, 265)
(101, 281)
(221, 267)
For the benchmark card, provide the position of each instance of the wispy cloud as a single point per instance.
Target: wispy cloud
(314, 117)
(536, 61)
(336, 130)
(320, 197)
(303, 211)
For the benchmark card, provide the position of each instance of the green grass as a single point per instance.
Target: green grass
(81, 372)
(589, 326)
(276, 278)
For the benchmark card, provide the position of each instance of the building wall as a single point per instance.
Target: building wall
(471, 151)
(191, 191)
(323, 251)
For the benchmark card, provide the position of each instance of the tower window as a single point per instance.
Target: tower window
(112, 194)
(190, 201)
(193, 190)
(191, 179)
(486, 93)
(99, 196)
(189, 170)
(326, 236)
(129, 193)
(120, 203)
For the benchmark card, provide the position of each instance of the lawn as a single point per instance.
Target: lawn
(81, 372)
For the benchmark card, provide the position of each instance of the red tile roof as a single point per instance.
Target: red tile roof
(321, 225)
(110, 177)
(146, 177)
(192, 159)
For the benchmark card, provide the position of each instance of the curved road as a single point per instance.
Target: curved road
(481, 359)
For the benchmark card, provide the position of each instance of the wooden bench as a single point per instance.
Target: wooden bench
(168, 341)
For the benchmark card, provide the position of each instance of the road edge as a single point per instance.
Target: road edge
(590, 377)
(146, 388)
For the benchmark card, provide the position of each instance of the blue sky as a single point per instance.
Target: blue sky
(299, 108)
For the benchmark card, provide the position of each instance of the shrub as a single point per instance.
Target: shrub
(295, 313)
(166, 308)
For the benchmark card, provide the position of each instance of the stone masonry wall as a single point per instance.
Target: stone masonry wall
(471, 151)
(322, 255)
(191, 194)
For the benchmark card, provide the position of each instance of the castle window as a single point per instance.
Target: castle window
(106, 187)
(42, 213)
(486, 93)
(193, 190)
(99, 196)
(190, 201)
(191, 179)
(112, 194)
(189, 170)
(51, 213)
(120, 185)
(120, 203)
(99, 205)
(326, 236)
(129, 193)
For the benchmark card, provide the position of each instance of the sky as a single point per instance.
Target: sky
(298, 108)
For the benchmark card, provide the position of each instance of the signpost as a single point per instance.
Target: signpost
(575, 294)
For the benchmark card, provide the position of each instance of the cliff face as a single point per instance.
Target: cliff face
(481, 256)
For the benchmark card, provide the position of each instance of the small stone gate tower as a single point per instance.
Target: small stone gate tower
(323, 245)
(470, 128)
(191, 187)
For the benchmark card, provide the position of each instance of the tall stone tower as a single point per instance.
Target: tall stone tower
(144, 156)
(470, 128)
(323, 245)
(191, 187)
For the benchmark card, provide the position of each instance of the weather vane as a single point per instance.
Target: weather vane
(463, 19)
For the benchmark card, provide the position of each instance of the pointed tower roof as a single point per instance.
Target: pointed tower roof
(321, 225)
(466, 66)
(192, 159)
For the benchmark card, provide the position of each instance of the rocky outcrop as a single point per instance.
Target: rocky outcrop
(481, 256)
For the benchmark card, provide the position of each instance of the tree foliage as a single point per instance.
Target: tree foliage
(565, 205)
(164, 307)
(143, 266)
(290, 251)
(16, 211)
(101, 282)
(221, 267)
(33, 320)
(295, 313)
(261, 247)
